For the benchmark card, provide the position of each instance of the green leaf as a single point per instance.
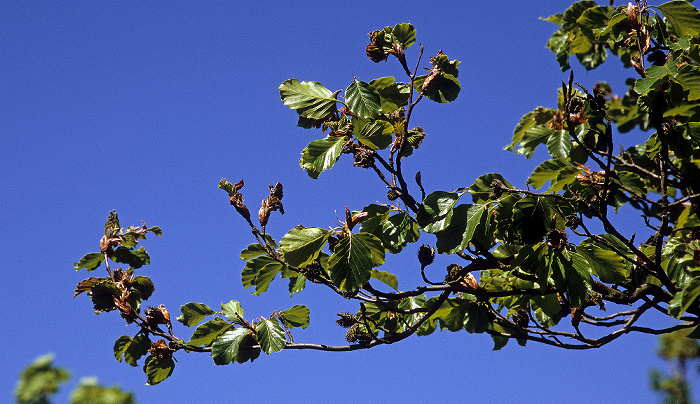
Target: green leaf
(399, 230)
(138, 347)
(87, 285)
(607, 265)
(499, 341)
(102, 296)
(594, 20)
(90, 261)
(686, 297)
(363, 100)
(302, 245)
(404, 34)
(309, 98)
(120, 345)
(375, 219)
(463, 226)
(353, 259)
(131, 348)
(252, 251)
(321, 155)
(375, 134)
(482, 190)
(39, 381)
(193, 313)
(566, 176)
(442, 87)
(158, 369)
(689, 77)
(296, 316)
(684, 18)
(572, 14)
(435, 212)
(540, 116)
(233, 311)
(477, 320)
(296, 284)
(393, 95)
(632, 181)
(559, 144)
(546, 171)
(134, 258)
(259, 272)
(389, 279)
(225, 348)
(144, 285)
(270, 335)
(205, 333)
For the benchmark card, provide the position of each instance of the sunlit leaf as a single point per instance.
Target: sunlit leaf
(134, 350)
(233, 311)
(90, 261)
(321, 155)
(144, 285)
(435, 212)
(193, 313)
(302, 245)
(134, 258)
(559, 144)
(393, 95)
(363, 100)
(158, 369)
(375, 134)
(546, 171)
(259, 272)
(225, 347)
(309, 98)
(483, 188)
(296, 316)
(387, 278)
(683, 16)
(205, 333)
(270, 335)
(607, 265)
(87, 285)
(404, 34)
(399, 230)
(353, 259)
(252, 251)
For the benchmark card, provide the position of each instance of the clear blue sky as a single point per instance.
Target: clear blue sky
(142, 107)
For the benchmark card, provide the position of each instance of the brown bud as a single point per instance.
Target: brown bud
(157, 315)
(346, 320)
(393, 194)
(160, 349)
(264, 213)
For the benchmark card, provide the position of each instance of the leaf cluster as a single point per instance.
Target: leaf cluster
(524, 260)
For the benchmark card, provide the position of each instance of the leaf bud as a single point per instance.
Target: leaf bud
(426, 255)
(264, 213)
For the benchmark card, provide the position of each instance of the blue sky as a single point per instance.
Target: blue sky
(142, 107)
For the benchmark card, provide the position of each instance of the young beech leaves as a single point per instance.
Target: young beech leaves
(353, 259)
